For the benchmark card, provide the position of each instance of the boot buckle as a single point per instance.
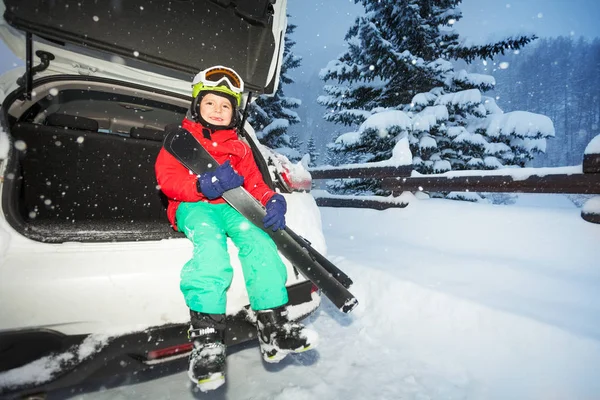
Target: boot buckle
(196, 333)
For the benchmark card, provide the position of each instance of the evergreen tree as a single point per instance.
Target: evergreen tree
(398, 59)
(295, 144)
(558, 77)
(311, 149)
(332, 154)
(271, 116)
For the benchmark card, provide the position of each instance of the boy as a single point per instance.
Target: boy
(197, 209)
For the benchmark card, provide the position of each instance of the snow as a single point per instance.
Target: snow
(423, 99)
(515, 172)
(520, 123)
(386, 119)
(475, 79)
(473, 138)
(592, 206)
(348, 138)
(462, 98)
(490, 105)
(278, 123)
(429, 117)
(442, 166)
(457, 300)
(45, 368)
(440, 65)
(427, 142)
(594, 146)
(401, 155)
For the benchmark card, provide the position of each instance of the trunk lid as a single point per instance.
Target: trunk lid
(174, 39)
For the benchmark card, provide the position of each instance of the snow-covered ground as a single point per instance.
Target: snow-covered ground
(458, 301)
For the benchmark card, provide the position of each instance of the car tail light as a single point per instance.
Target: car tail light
(295, 183)
(170, 351)
(314, 288)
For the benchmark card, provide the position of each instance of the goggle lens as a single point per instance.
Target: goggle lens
(218, 74)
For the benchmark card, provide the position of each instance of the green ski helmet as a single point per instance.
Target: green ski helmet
(221, 81)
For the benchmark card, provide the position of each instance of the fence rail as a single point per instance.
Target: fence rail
(398, 179)
(360, 172)
(552, 183)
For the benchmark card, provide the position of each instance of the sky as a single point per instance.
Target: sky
(456, 300)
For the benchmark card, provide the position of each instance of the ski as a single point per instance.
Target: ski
(321, 259)
(185, 148)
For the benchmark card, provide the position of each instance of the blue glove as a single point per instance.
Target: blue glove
(276, 208)
(213, 184)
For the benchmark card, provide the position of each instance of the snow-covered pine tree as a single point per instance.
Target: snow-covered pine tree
(295, 144)
(398, 58)
(332, 155)
(271, 116)
(558, 77)
(311, 149)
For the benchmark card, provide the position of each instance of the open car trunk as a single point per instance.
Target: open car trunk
(89, 175)
(82, 162)
(172, 38)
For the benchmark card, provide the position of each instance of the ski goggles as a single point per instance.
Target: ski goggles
(219, 75)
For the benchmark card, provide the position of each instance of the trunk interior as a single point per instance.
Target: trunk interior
(81, 166)
(72, 183)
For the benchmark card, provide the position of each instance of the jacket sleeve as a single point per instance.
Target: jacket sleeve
(253, 181)
(175, 180)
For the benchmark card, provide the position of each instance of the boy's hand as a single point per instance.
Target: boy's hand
(276, 209)
(213, 184)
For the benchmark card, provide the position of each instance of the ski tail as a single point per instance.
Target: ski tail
(337, 273)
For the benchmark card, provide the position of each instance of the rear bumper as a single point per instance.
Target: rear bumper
(77, 359)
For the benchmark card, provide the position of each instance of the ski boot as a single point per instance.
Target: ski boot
(278, 336)
(207, 359)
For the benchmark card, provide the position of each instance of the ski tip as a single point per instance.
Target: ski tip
(349, 305)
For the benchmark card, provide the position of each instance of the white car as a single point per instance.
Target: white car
(89, 266)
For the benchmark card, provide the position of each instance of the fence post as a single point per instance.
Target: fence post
(591, 165)
(591, 157)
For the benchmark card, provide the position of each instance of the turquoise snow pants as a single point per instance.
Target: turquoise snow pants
(206, 277)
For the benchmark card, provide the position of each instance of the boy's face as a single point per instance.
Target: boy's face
(216, 110)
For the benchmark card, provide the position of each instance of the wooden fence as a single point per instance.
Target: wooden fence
(398, 179)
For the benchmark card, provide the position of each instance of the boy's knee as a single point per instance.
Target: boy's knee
(211, 247)
(260, 244)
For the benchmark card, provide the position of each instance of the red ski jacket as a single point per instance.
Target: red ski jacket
(179, 183)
